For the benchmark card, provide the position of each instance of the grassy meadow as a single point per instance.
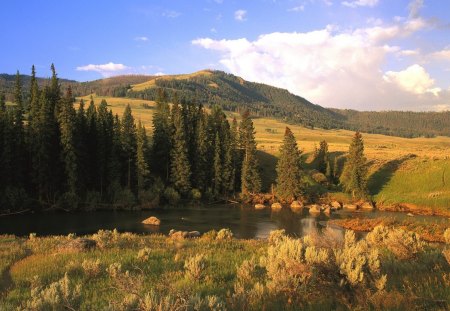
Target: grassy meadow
(412, 171)
(389, 269)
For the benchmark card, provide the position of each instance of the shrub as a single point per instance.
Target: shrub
(67, 201)
(171, 196)
(447, 236)
(93, 199)
(210, 235)
(124, 199)
(196, 195)
(276, 236)
(446, 254)
(358, 263)
(195, 267)
(224, 234)
(91, 268)
(60, 295)
(403, 244)
(144, 254)
(104, 238)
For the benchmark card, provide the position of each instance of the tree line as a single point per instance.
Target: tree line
(57, 154)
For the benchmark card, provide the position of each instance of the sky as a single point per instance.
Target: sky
(355, 54)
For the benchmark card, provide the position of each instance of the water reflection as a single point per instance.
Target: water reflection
(244, 221)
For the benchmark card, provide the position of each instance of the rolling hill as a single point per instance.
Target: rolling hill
(234, 94)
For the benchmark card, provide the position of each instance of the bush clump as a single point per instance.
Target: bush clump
(224, 234)
(58, 296)
(195, 267)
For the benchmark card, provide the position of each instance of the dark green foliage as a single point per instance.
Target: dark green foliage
(250, 177)
(161, 137)
(354, 175)
(180, 166)
(67, 124)
(321, 157)
(142, 159)
(129, 145)
(289, 174)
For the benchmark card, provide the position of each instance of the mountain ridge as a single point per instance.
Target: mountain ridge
(235, 94)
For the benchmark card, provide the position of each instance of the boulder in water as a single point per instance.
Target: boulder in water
(152, 221)
(276, 206)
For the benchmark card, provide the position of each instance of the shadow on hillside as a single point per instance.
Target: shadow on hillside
(268, 164)
(384, 174)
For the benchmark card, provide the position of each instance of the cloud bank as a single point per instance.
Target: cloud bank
(336, 68)
(104, 69)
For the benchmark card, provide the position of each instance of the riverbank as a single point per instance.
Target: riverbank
(123, 271)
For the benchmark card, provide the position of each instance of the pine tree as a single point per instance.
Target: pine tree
(354, 176)
(142, 158)
(81, 136)
(129, 145)
(218, 170)
(67, 124)
(34, 96)
(289, 174)
(322, 157)
(161, 137)
(91, 138)
(250, 178)
(180, 168)
(237, 154)
(18, 137)
(201, 146)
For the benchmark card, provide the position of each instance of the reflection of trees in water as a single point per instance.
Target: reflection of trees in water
(248, 223)
(289, 221)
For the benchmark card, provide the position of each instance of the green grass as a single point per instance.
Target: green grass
(163, 272)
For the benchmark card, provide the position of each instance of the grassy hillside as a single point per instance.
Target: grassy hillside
(402, 170)
(235, 94)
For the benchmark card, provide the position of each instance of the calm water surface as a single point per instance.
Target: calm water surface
(245, 222)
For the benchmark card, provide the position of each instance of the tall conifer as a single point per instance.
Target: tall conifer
(289, 174)
(250, 178)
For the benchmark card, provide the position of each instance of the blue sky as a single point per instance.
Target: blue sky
(361, 54)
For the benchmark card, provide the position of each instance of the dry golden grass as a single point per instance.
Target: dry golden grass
(151, 83)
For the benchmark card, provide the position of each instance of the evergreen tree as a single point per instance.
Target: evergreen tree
(322, 157)
(105, 123)
(289, 174)
(201, 146)
(67, 124)
(91, 142)
(218, 171)
(34, 96)
(250, 178)
(180, 168)
(129, 145)
(19, 162)
(354, 176)
(161, 137)
(142, 158)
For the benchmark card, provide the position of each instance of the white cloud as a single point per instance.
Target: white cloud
(171, 14)
(240, 15)
(442, 55)
(335, 68)
(358, 3)
(409, 52)
(143, 38)
(104, 69)
(413, 79)
(299, 8)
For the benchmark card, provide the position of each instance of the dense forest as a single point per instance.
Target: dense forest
(232, 93)
(57, 154)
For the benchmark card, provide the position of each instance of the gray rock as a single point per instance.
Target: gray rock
(260, 206)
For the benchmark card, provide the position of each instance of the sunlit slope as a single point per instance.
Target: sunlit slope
(402, 170)
(152, 82)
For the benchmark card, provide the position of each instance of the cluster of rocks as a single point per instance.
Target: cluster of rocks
(183, 234)
(327, 208)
